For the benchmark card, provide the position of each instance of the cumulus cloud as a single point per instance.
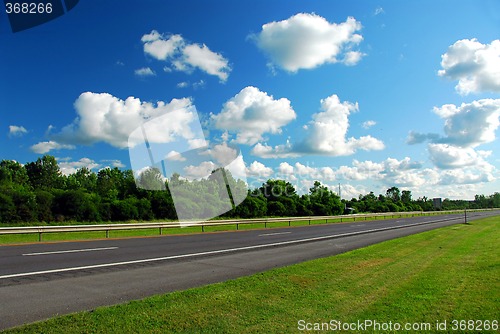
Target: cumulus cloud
(102, 117)
(399, 172)
(17, 131)
(145, 72)
(470, 124)
(285, 168)
(305, 41)
(47, 146)
(476, 66)
(252, 113)
(259, 170)
(174, 156)
(450, 157)
(114, 163)
(184, 56)
(467, 125)
(326, 133)
(203, 170)
(368, 124)
(71, 167)
(278, 151)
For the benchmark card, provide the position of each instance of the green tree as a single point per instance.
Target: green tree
(324, 202)
(406, 196)
(44, 173)
(13, 172)
(87, 179)
(109, 182)
(393, 194)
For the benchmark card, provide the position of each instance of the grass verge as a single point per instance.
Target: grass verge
(442, 275)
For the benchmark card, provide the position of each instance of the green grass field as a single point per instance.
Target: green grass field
(447, 274)
(48, 237)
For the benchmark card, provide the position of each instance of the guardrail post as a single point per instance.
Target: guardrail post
(289, 222)
(237, 226)
(107, 234)
(160, 230)
(265, 223)
(39, 236)
(309, 221)
(202, 228)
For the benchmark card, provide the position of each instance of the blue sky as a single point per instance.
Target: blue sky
(369, 94)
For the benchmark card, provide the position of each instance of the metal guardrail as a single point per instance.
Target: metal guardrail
(40, 230)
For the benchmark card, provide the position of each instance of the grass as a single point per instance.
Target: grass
(67, 236)
(447, 274)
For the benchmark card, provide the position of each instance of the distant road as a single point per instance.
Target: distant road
(38, 281)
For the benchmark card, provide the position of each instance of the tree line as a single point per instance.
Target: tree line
(39, 192)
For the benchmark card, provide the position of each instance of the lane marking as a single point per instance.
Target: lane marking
(221, 251)
(71, 251)
(277, 233)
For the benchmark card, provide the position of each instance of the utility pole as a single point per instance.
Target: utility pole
(340, 194)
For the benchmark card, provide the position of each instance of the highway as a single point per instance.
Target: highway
(41, 280)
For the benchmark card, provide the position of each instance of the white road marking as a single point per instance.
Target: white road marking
(220, 251)
(268, 234)
(71, 251)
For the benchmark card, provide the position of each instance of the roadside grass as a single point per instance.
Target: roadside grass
(447, 274)
(73, 236)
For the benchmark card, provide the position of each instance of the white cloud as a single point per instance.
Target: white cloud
(145, 72)
(326, 133)
(278, 151)
(252, 113)
(17, 131)
(351, 58)
(175, 156)
(213, 63)
(466, 176)
(183, 84)
(102, 117)
(184, 56)
(368, 124)
(71, 167)
(223, 154)
(470, 124)
(259, 170)
(159, 47)
(476, 66)
(305, 41)
(47, 146)
(114, 163)
(390, 172)
(203, 170)
(446, 156)
(285, 168)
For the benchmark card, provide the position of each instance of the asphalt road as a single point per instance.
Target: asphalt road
(39, 281)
